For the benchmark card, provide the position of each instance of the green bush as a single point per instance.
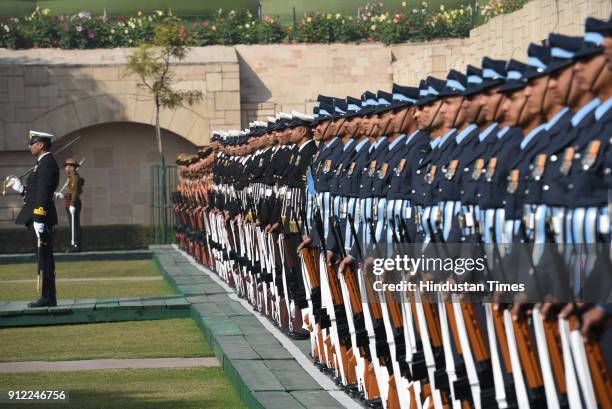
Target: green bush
(95, 238)
(372, 23)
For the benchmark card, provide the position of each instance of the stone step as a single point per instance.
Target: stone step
(17, 313)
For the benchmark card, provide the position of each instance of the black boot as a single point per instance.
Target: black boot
(51, 294)
(300, 334)
(48, 292)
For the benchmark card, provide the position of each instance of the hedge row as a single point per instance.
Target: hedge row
(95, 238)
(374, 23)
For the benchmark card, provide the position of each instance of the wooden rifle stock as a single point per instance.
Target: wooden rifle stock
(433, 322)
(528, 354)
(498, 321)
(372, 300)
(312, 267)
(353, 290)
(475, 334)
(598, 366)
(334, 285)
(450, 312)
(349, 273)
(393, 396)
(553, 340)
(395, 311)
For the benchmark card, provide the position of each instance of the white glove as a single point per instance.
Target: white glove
(72, 210)
(58, 195)
(39, 228)
(16, 184)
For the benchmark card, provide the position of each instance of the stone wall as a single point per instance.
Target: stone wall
(116, 168)
(87, 92)
(290, 77)
(64, 91)
(287, 77)
(510, 34)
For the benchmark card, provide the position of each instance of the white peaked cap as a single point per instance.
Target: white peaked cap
(302, 116)
(43, 134)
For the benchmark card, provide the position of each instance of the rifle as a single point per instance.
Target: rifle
(349, 274)
(313, 297)
(66, 182)
(287, 264)
(591, 365)
(352, 291)
(310, 260)
(337, 309)
(331, 274)
(398, 386)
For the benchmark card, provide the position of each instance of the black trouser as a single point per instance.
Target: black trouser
(44, 258)
(77, 223)
(295, 280)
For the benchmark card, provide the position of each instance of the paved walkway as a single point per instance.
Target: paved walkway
(94, 364)
(264, 365)
(91, 279)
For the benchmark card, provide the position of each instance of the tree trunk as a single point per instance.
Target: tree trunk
(158, 129)
(163, 182)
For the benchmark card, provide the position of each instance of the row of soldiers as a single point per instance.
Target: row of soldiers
(509, 163)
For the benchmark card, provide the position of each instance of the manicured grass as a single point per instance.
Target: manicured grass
(284, 8)
(187, 8)
(205, 388)
(176, 338)
(83, 269)
(20, 8)
(76, 290)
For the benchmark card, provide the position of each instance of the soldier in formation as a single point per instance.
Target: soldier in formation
(509, 164)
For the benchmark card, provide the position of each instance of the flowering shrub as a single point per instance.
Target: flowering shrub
(496, 7)
(372, 23)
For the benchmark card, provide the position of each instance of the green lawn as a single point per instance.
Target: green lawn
(83, 269)
(76, 290)
(205, 388)
(284, 8)
(185, 8)
(188, 8)
(176, 338)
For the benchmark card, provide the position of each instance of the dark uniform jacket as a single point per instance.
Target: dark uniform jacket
(38, 194)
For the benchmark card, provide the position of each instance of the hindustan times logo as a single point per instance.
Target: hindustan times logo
(458, 266)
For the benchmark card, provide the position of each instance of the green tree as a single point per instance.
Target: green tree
(152, 62)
